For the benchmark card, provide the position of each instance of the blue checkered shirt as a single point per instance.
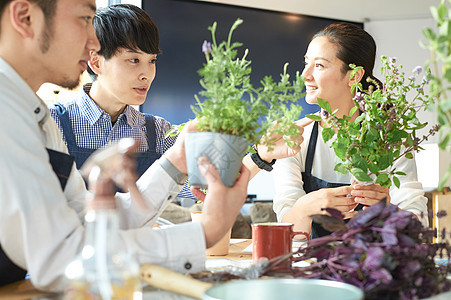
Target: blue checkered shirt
(93, 129)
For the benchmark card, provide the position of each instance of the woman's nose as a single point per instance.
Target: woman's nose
(306, 72)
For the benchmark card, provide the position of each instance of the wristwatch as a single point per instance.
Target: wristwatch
(172, 171)
(262, 164)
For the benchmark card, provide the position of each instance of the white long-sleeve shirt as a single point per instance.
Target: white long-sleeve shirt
(289, 186)
(41, 227)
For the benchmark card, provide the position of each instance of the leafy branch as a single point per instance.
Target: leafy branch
(228, 103)
(440, 47)
(385, 127)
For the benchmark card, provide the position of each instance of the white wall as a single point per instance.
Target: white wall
(401, 39)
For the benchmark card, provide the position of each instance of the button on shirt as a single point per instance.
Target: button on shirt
(41, 228)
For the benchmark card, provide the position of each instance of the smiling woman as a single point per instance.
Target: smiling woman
(307, 183)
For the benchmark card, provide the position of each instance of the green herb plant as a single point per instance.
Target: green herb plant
(386, 126)
(439, 43)
(229, 104)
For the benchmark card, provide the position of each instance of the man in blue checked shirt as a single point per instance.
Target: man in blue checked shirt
(122, 72)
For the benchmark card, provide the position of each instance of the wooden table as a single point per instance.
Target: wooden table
(235, 249)
(23, 290)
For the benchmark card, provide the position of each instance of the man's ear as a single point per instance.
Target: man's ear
(20, 15)
(357, 77)
(94, 62)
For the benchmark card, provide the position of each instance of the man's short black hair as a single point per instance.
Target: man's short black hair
(48, 8)
(125, 26)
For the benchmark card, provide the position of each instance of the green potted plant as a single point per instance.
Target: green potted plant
(439, 44)
(232, 114)
(385, 128)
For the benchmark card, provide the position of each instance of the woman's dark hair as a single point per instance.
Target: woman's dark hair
(125, 26)
(355, 46)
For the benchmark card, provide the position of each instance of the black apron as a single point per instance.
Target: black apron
(312, 183)
(143, 159)
(62, 165)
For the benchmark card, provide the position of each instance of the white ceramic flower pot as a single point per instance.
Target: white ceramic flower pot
(224, 151)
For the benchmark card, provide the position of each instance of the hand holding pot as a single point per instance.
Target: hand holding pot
(222, 204)
(176, 154)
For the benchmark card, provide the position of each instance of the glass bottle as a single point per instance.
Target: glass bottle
(103, 270)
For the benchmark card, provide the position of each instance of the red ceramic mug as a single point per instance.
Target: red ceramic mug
(273, 239)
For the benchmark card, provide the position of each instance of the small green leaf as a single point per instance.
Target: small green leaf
(409, 155)
(382, 179)
(340, 168)
(328, 133)
(396, 182)
(314, 117)
(360, 162)
(373, 168)
(353, 110)
(324, 105)
(429, 34)
(385, 161)
(360, 175)
(442, 10)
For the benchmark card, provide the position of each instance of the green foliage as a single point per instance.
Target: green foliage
(228, 103)
(439, 44)
(385, 129)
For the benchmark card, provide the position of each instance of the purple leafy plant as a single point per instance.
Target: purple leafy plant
(384, 251)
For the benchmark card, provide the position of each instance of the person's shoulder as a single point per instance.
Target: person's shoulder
(161, 122)
(161, 119)
(68, 105)
(308, 130)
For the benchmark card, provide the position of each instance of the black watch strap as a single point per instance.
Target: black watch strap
(262, 164)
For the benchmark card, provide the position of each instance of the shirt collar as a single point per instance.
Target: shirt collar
(33, 102)
(134, 117)
(88, 107)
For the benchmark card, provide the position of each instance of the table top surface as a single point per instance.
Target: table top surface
(24, 289)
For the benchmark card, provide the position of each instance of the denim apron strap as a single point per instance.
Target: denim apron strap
(151, 133)
(80, 154)
(312, 183)
(146, 159)
(62, 166)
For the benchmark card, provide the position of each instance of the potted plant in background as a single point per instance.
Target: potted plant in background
(440, 47)
(232, 114)
(385, 129)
